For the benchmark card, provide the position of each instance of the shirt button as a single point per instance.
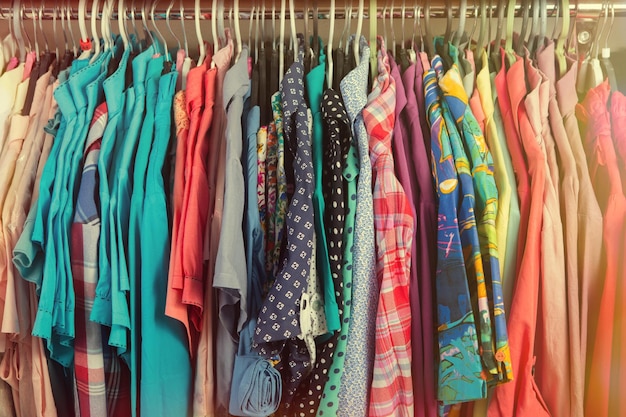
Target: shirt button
(499, 356)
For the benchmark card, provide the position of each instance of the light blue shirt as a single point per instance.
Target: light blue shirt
(357, 376)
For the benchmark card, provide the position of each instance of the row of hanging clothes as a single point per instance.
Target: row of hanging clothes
(273, 225)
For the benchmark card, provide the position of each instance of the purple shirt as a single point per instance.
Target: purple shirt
(417, 156)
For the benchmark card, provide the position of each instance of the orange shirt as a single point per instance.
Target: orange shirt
(521, 397)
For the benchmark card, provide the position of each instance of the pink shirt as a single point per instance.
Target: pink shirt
(595, 123)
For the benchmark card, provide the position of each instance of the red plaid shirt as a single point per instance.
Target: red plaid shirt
(392, 386)
(102, 381)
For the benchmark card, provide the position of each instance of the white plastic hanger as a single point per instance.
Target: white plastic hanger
(121, 12)
(393, 31)
(94, 30)
(281, 45)
(82, 24)
(169, 24)
(156, 28)
(220, 26)
(68, 11)
(373, 16)
(329, 46)
(43, 33)
(214, 16)
(35, 13)
(17, 30)
(199, 31)
(54, 30)
(238, 31)
(182, 26)
(292, 20)
(359, 28)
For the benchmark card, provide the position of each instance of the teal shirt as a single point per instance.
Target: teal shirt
(166, 377)
(315, 88)
(119, 204)
(55, 316)
(107, 290)
(154, 69)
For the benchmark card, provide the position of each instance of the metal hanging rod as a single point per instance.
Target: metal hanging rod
(436, 11)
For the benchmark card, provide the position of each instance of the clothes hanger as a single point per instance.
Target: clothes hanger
(412, 52)
(121, 11)
(94, 31)
(239, 44)
(495, 61)
(606, 52)
(214, 29)
(329, 45)
(429, 49)
(199, 31)
(105, 25)
(348, 32)
(519, 47)
(561, 61)
(508, 40)
(23, 32)
(458, 34)
(308, 53)
(373, 16)
(168, 12)
(359, 28)
(82, 24)
(133, 21)
(316, 38)
(54, 31)
(146, 29)
(220, 27)
(17, 30)
(281, 44)
(393, 31)
(534, 29)
(590, 73)
(182, 26)
(159, 34)
(384, 18)
(63, 28)
(294, 37)
(69, 16)
(482, 32)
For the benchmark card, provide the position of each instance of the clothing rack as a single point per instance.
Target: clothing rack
(437, 10)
